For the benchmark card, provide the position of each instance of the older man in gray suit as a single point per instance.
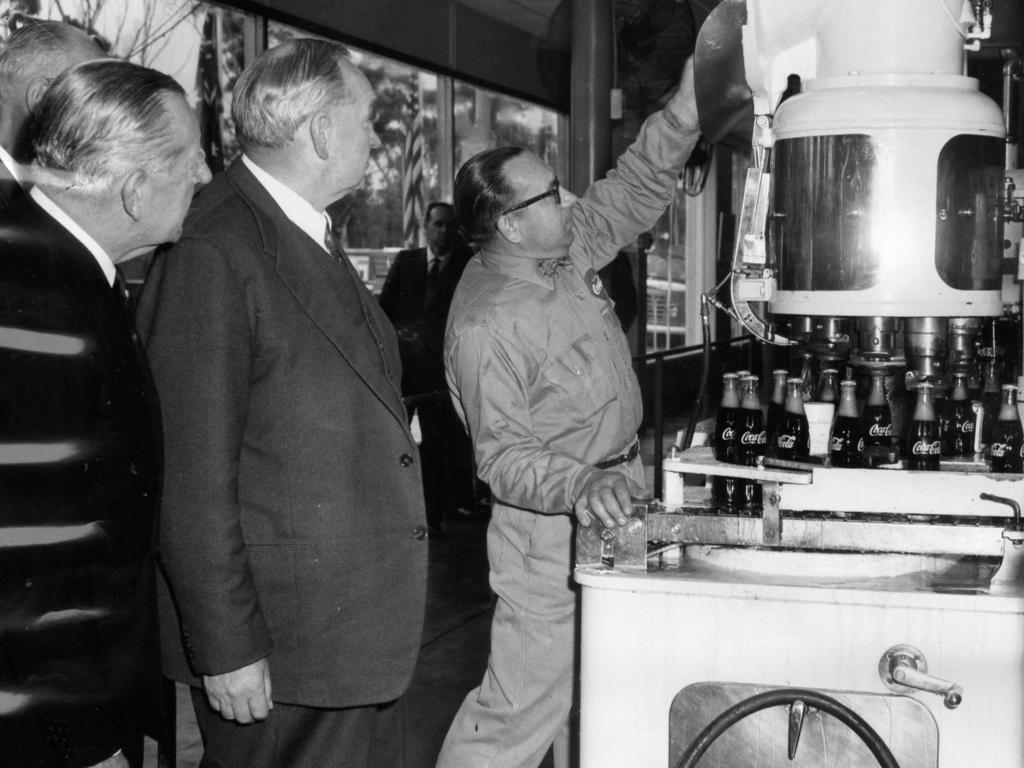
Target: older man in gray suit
(293, 531)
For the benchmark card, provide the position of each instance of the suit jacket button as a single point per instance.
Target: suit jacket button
(405, 460)
(419, 532)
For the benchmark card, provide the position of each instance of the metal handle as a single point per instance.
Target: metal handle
(903, 669)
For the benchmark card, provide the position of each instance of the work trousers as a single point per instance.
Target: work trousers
(521, 706)
(304, 737)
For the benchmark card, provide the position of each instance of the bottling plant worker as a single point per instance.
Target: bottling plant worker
(540, 372)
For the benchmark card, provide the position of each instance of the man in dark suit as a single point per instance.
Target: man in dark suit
(118, 159)
(34, 54)
(416, 295)
(292, 528)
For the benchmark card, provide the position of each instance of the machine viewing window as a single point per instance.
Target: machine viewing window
(968, 217)
(820, 220)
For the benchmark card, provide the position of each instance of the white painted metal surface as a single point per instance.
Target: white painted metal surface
(646, 636)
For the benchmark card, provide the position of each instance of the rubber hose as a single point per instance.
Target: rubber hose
(781, 696)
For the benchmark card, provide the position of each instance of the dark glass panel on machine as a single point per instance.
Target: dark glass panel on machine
(819, 233)
(968, 218)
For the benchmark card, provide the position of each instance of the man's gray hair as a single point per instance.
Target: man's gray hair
(37, 48)
(285, 86)
(104, 119)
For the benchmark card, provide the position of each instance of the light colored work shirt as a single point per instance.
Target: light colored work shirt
(538, 366)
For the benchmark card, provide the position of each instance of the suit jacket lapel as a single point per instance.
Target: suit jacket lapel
(327, 295)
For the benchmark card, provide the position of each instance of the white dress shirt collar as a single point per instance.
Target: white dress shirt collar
(295, 207)
(57, 213)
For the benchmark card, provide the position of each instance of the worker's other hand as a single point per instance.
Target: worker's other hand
(606, 497)
(244, 695)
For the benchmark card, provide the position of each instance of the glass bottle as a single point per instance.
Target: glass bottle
(793, 439)
(723, 489)
(990, 399)
(847, 443)
(828, 388)
(751, 441)
(877, 416)
(924, 449)
(1007, 444)
(777, 404)
(958, 437)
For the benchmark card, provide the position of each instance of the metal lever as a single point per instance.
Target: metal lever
(903, 669)
(1010, 575)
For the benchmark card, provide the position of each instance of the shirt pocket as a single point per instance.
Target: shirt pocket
(576, 375)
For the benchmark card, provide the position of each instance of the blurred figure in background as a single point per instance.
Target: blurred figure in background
(34, 54)
(415, 297)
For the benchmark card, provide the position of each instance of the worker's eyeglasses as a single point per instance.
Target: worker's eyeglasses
(554, 192)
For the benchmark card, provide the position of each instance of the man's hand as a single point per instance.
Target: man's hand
(607, 496)
(243, 695)
(684, 101)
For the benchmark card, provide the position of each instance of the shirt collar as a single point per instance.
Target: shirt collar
(90, 244)
(515, 266)
(295, 207)
(12, 166)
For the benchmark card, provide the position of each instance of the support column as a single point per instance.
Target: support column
(591, 82)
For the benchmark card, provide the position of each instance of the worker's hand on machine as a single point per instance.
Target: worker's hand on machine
(683, 103)
(243, 695)
(607, 497)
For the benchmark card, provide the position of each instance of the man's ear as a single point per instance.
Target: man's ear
(133, 192)
(319, 134)
(34, 93)
(508, 228)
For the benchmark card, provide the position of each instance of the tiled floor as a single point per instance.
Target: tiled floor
(455, 640)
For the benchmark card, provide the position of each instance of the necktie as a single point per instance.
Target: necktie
(432, 275)
(357, 285)
(120, 289)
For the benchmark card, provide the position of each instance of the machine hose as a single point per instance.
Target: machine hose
(698, 406)
(783, 696)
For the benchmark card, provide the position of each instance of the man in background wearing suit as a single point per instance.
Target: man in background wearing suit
(118, 159)
(34, 54)
(415, 297)
(292, 531)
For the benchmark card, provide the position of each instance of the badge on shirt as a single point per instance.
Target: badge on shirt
(594, 281)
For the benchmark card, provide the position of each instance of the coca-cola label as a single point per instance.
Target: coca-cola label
(785, 442)
(924, 448)
(754, 438)
(728, 434)
(999, 450)
(860, 445)
(837, 443)
(880, 430)
(967, 427)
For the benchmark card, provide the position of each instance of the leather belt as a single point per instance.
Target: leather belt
(628, 455)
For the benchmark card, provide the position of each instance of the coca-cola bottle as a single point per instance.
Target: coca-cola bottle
(1007, 445)
(877, 416)
(777, 404)
(751, 440)
(792, 441)
(990, 399)
(847, 443)
(723, 489)
(828, 387)
(924, 449)
(958, 437)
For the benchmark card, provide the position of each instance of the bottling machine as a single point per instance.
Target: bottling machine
(861, 617)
